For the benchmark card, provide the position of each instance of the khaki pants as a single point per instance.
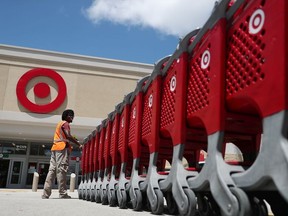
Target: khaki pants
(59, 164)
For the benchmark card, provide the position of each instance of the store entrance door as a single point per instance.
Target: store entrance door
(15, 174)
(4, 169)
(41, 168)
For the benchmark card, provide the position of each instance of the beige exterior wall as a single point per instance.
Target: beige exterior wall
(94, 87)
(4, 72)
(100, 94)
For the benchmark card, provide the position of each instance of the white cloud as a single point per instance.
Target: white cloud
(171, 17)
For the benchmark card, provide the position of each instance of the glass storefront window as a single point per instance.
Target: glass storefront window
(34, 149)
(20, 149)
(40, 167)
(31, 169)
(40, 149)
(8, 149)
(43, 169)
(16, 172)
(45, 150)
(75, 153)
(13, 148)
(74, 159)
(4, 167)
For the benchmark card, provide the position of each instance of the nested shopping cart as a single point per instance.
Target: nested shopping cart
(179, 196)
(114, 157)
(94, 169)
(101, 164)
(83, 182)
(107, 161)
(149, 138)
(140, 153)
(216, 192)
(122, 148)
(256, 85)
(87, 182)
(90, 167)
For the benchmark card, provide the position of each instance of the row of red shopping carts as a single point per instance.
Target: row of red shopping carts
(225, 83)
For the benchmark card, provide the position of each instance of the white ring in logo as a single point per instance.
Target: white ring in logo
(134, 113)
(150, 101)
(173, 84)
(205, 61)
(256, 21)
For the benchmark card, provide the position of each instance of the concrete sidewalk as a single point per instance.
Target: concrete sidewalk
(24, 202)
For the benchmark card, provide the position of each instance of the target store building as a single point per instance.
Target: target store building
(36, 86)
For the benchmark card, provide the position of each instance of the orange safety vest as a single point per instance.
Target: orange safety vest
(60, 140)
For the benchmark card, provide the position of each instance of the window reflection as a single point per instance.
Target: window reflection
(40, 149)
(7, 148)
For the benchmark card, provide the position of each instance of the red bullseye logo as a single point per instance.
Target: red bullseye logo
(41, 90)
(256, 21)
(205, 60)
(173, 84)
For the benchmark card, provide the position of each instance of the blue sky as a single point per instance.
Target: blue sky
(130, 30)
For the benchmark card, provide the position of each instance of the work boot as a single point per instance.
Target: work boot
(64, 196)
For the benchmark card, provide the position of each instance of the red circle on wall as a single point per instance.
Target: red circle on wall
(41, 90)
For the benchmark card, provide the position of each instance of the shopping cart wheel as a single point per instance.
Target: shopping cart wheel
(84, 195)
(122, 199)
(207, 205)
(137, 201)
(157, 207)
(259, 207)
(244, 204)
(113, 199)
(105, 199)
(145, 202)
(171, 204)
(192, 202)
(97, 196)
(88, 195)
(80, 193)
(92, 195)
